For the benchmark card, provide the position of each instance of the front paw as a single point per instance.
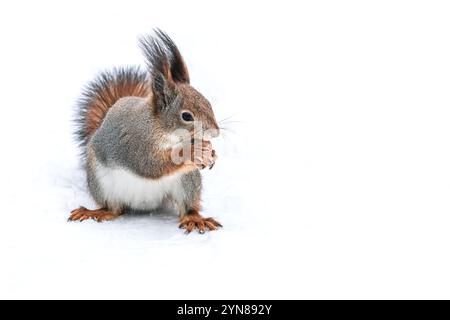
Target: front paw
(204, 155)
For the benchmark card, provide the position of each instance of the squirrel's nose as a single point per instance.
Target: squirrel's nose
(214, 132)
(210, 133)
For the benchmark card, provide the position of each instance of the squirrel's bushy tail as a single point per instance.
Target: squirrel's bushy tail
(100, 94)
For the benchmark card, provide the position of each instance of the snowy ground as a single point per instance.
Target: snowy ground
(333, 179)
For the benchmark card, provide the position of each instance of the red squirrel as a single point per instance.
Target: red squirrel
(145, 136)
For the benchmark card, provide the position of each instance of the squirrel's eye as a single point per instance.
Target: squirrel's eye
(187, 116)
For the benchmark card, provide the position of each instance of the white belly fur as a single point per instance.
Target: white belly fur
(122, 187)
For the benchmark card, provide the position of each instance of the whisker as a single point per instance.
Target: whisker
(232, 121)
(227, 130)
(227, 118)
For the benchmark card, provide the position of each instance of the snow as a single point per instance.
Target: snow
(332, 180)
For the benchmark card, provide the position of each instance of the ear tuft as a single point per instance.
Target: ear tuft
(166, 66)
(163, 56)
(178, 67)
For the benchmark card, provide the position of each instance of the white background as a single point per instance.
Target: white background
(333, 179)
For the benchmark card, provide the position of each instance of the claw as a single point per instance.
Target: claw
(99, 215)
(191, 222)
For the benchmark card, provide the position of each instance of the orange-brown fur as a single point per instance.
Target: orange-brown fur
(193, 220)
(108, 96)
(99, 215)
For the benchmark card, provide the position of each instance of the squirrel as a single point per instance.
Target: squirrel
(139, 132)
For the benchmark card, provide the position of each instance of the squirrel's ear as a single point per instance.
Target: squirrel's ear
(162, 86)
(166, 66)
(178, 68)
